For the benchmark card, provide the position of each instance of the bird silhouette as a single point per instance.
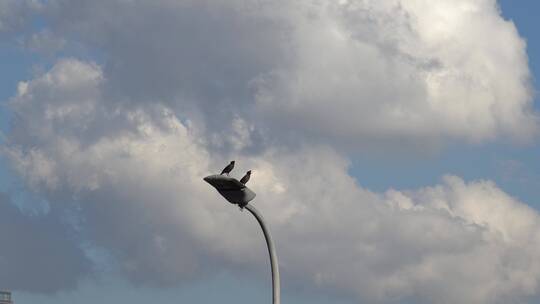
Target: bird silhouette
(246, 177)
(228, 169)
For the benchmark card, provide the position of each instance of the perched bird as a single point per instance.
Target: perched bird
(246, 177)
(228, 169)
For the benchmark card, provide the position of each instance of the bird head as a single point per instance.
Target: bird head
(249, 172)
(232, 162)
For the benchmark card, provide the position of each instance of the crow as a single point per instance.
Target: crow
(245, 179)
(228, 169)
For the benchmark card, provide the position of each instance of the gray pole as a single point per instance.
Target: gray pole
(271, 251)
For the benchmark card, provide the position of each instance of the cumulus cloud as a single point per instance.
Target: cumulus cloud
(179, 88)
(455, 242)
(404, 68)
(134, 175)
(346, 72)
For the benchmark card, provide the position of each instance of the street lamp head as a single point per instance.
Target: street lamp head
(231, 189)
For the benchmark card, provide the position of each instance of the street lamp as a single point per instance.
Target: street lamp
(238, 194)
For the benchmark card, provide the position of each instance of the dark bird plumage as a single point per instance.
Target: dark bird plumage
(246, 177)
(229, 168)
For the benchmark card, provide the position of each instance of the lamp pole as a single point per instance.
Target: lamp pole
(271, 252)
(238, 194)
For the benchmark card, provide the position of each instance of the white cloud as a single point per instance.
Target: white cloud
(386, 69)
(186, 85)
(348, 73)
(134, 176)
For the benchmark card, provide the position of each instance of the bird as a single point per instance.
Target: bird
(246, 177)
(228, 169)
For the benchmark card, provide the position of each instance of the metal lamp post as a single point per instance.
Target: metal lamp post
(238, 194)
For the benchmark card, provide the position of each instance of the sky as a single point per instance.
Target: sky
(393, 146)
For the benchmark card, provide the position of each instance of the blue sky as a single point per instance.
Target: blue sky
(99, 58)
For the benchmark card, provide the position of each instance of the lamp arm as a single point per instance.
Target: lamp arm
(272, 252)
